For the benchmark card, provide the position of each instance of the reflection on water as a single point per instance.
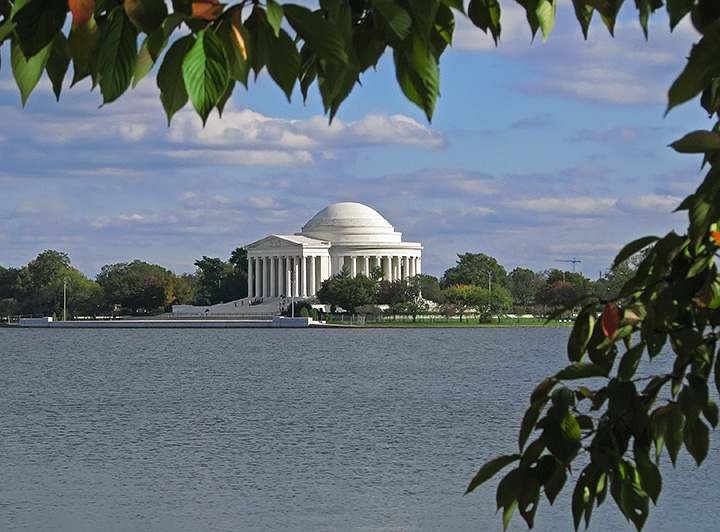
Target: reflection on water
(299, 430)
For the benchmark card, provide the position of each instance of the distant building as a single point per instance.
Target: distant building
(343, 234)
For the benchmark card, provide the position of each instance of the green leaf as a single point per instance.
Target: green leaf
(416, 69)
(698, 74)
(397, 19)
(674, 433)
(488, 470)
(83, 42)
(144, 63)
(238, 64)
(580, 370)
(546, 16)
(508, 493)
(485, 14)
(562, 438)
(633, 247)
(117, 55)
(581, 333)
(205, 71)
(335, 83)
(170, 76)
(274, 16)
(284, 63)
(37, 23)
(320, 35)
(555, 484)
(697, 142)
(6, 30)
(583, 13)
(696, 436)
(629, 362)
(710, 411)
(225, 97)
(677, 9)
(650, 477)
(158, 39)
(529, 420)
(27, 72)
(58, 63)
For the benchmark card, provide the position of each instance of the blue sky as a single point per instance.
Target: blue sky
(538, 152)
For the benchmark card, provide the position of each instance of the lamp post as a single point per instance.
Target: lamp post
(489, 272)
(64, 298)
(292, 294)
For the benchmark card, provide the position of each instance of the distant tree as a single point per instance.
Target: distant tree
(558, 293)
(465, 297)
(347, 292)
(499, 303)
(609, 286)
(219, 281)
(554, 276)
(8, 290)
(429, 288)
(474, 269)
(522, 285)
(137, 285)
(39, 287)
(377, 273)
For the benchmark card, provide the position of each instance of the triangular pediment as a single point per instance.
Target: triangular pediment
(285, 241)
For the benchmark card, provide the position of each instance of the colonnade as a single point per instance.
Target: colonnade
(300, 276)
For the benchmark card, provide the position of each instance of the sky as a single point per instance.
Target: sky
(537, 153)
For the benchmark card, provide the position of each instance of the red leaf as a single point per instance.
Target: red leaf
(82, 11)
(208, 9)
(610, 321)
(716, 236)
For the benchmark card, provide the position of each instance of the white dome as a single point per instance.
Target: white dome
(350, 222)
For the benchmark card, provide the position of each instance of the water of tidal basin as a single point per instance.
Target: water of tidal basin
(293, 430)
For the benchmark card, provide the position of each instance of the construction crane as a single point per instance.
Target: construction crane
(573, 260)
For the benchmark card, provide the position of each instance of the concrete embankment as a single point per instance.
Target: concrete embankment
(205, 323)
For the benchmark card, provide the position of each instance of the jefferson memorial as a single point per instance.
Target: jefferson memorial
(343, 234)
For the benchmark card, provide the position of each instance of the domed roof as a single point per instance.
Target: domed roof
(348, 222)
(348, 214)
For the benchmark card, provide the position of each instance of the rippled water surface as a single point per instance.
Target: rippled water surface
(294, 430)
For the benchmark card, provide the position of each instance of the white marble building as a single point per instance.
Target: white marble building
(343, 234)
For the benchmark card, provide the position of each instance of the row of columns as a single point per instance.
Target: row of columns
(300, 276)
(295, 276)
(395, 267)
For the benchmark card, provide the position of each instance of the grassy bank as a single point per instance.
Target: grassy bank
(453, 322)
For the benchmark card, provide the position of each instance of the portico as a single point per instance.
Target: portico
(343, 234)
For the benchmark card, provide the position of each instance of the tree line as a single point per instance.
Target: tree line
(49, 283)
(477, 284)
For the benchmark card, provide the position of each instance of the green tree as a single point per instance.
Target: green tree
(523, 284)
(347, 292)
(8, 290)
(429, 288)
(499, 303)
(464, 297)
(558, 293)
(137, 285)
(476, 269)
(41, 286)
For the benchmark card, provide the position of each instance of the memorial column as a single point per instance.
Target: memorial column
(312, 290)
(258, 276)
(251, 280)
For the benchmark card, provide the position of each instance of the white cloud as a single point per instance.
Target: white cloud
(585, 206)
(649, 204)
(248, 129)
(244, 157)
